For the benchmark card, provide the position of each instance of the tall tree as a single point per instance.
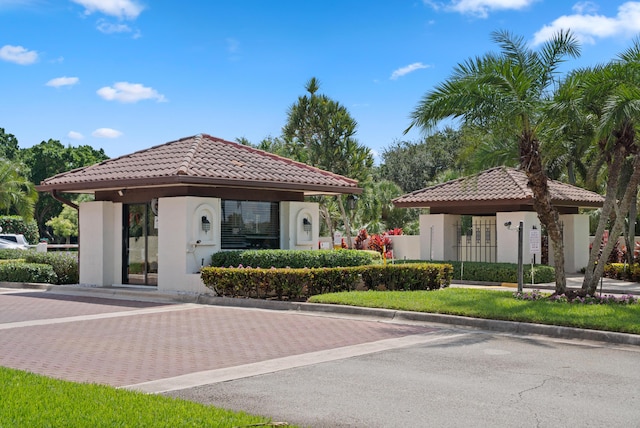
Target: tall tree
(321, 132)
(413, 165)
(17, 194)
(49, 158)
(612, 94)
(503, 93)
(8, 145)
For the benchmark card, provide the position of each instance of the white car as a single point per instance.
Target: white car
(4, 244)
(10, 240)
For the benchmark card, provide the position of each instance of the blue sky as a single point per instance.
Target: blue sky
(124, 75)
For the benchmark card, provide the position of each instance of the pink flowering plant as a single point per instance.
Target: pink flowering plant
(599, 299)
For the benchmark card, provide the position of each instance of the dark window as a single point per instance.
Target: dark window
(250, 224)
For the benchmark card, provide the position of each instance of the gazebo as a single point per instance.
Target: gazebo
(160, 213)
(497, 200)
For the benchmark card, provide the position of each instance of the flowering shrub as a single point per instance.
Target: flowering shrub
(360, 239)
(625, 299)
(382, 244)
(395, 232)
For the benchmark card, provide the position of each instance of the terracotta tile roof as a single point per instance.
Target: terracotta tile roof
(496, 185)
(204, 160)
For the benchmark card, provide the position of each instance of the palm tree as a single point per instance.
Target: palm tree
(17, 194)
(612, 93)
(505, 93)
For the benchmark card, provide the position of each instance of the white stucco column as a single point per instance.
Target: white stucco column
(438, 236)
(575, 229)
(299, 225)
(507, 239)
(100, 243)
(183, 245)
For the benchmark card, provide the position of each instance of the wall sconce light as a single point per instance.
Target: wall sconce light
(351, 201)
(206, 224)
(306, 224)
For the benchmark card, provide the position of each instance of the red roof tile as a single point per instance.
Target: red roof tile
(499, 184)
(205, 160)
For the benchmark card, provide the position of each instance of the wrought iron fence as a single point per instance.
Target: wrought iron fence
(477, 240)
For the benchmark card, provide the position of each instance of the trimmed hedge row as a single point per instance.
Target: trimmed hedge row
(64, 264)
(622, 271)
(497, 272)
(15, 271)
(301, 283)
(292, 258)
(12, 254)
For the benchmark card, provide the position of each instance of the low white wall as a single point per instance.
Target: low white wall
(406, 247)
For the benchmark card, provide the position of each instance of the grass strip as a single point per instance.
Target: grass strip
(495, 304)
(30, 400)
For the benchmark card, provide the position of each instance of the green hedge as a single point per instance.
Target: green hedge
(12, 254)
(622, 271)
(497, 272)
(297, 283)
(291, 258)
(27, 272)
(65, 264)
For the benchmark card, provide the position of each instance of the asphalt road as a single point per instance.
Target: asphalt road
(322, 366)
(460, 379)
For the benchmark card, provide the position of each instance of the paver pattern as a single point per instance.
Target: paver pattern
(120, 343)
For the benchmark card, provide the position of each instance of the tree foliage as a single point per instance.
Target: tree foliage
(504, 94)
(321, 132)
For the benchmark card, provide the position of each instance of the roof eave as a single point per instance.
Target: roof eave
(92, 186)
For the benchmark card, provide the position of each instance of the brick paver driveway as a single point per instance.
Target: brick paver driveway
(121, 343)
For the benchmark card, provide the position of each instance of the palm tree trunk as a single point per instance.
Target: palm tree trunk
(631, 230)
(605, 213)
(531, 163)
(621, 211)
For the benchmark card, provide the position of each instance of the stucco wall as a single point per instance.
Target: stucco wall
(100, 243)
(293, 235)
(183, 247)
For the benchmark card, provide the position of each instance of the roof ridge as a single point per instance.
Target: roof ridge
(183, 169)
(283, 159)
(510, 171)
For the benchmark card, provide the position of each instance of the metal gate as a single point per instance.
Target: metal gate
(476, 240)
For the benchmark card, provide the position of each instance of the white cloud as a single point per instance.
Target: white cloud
(122, 9)
(585, 7)
(589, 26)
(110, 28)
(76, 135)
(63, 81)
(18, 54)
(408, 69)
(126, 92)
(479, 8)
(106, 133)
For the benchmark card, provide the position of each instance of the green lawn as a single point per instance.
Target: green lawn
(495, 304)
(30, 400)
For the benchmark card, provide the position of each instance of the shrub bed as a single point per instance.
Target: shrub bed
(27, 272)
(301, 283)
(64, 264)
(497, 272)
(292, 258)
(622, 271)
(11, 254)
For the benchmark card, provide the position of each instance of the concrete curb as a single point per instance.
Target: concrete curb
(388, 314)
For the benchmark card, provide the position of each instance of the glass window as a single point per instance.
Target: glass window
(250, 225)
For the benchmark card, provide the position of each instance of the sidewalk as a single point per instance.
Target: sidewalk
(574, 281)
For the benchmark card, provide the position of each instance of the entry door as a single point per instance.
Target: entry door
(140, 245)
